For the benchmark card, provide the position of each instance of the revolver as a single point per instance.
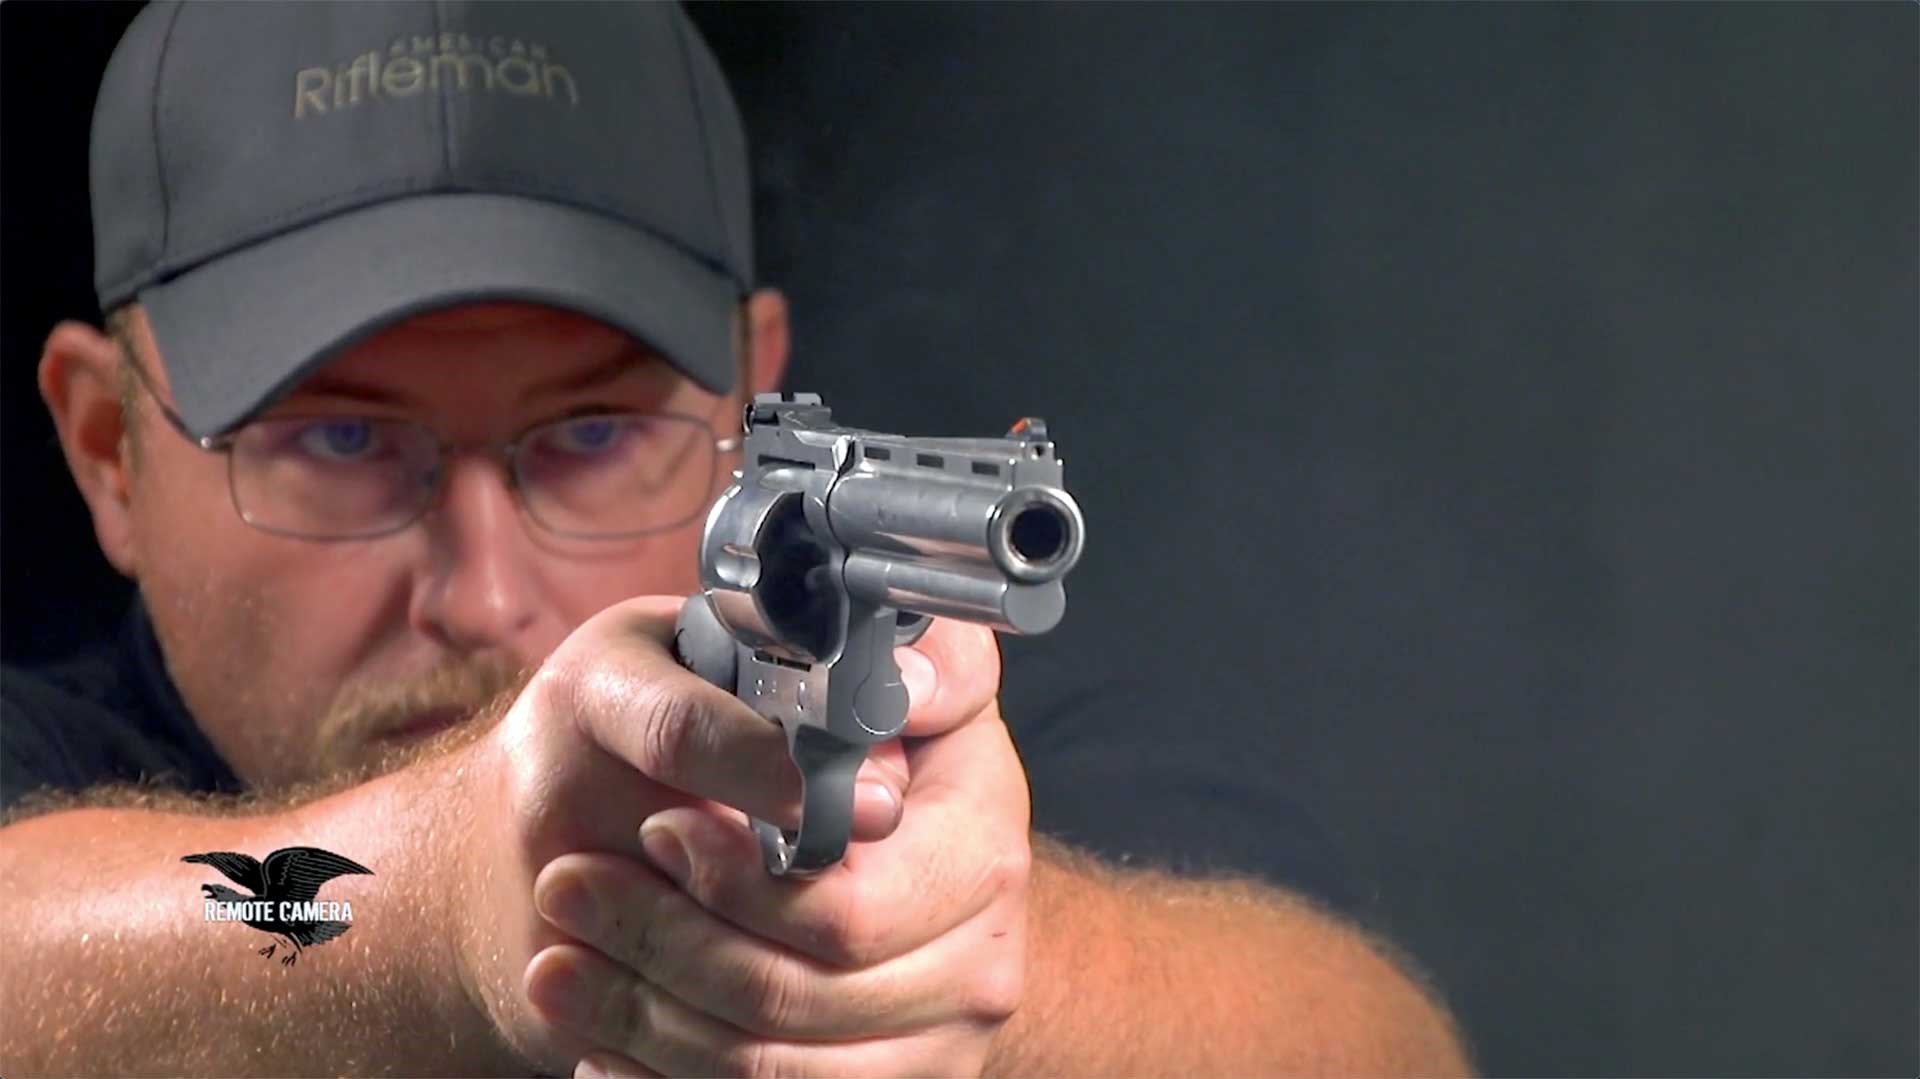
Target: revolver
(833, 546)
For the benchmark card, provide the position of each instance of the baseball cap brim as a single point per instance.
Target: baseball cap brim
(241, 330)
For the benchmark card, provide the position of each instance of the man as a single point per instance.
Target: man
(427, 331)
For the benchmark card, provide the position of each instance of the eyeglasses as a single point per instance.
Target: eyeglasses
(596, 476)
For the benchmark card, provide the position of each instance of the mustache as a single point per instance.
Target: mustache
(459, 685)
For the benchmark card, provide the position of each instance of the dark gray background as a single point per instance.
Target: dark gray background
(1499, 421)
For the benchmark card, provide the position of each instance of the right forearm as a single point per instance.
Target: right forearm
(112, 968)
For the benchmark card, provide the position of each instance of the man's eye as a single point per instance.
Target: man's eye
(339, 440)
(588, 435)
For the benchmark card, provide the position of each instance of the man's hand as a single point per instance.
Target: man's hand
(669, 948)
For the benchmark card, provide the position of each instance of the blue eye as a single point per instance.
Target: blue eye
(340, 440)
(589, 435)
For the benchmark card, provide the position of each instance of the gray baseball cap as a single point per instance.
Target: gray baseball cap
(276, 181)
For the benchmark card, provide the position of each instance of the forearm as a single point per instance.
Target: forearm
(1145, 974)
(112, 968)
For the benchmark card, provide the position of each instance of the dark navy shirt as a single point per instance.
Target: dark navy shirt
(107, 714)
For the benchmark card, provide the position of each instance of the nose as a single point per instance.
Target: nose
(479, 590)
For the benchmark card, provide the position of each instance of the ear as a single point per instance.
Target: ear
(766, 313)
(80, 381)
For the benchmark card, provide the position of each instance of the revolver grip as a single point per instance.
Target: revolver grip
(828, 765)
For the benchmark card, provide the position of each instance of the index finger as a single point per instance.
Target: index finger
(617, 682)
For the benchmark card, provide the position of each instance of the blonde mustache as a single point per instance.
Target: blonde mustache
(479, 690)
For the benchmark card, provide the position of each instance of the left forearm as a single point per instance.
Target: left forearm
(1135, 973)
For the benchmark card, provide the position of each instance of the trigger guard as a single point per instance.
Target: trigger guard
(828, 767)
(906, 633)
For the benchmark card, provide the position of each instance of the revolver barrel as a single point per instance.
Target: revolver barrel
(971, 545)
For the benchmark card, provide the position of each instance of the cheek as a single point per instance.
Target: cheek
(258, 630)
(197, 552)
(585, 584)
(196, 560)
(586, 581)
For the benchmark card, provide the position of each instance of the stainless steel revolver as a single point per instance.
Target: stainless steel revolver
(834, 545)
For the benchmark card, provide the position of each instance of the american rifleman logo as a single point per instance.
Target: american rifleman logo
(449, 62)
(284, 903)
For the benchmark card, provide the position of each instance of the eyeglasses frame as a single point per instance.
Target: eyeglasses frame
(223, 444)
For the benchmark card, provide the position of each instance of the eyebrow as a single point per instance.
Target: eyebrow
(630, 358)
